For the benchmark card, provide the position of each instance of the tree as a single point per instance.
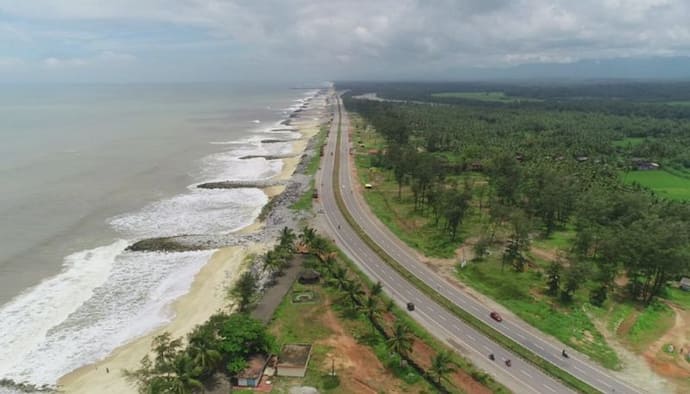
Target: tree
(172, 371)
(371, 309)
(481, 247)
(183, 378)
(574, 278)
(441, 365)
(553, 279)
(165, 349)
(242, 336)
(202, 347)
(400, 341)
(244, 290)
(287, 239)
(598, 295)
(272, 262)
(354, 291)
(339, 278)
(377, 288)
(307, 236)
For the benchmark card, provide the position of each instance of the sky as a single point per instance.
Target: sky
(310, 40)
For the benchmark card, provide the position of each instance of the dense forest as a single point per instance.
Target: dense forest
(549, 164)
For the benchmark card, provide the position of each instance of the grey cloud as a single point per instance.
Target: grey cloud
(397, 36)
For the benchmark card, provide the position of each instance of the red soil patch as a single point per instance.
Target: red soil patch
(359, 369)
(423, 354)
(674, 365)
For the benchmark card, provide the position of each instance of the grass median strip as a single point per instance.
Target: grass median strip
(497, 337)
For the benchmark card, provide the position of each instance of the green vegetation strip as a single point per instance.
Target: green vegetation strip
(482, 327)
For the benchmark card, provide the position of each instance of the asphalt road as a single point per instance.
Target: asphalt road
(520, 377)
(549, 349)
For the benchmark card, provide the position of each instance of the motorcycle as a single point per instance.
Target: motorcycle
(491, 357)
(508, 363)
(564, 354)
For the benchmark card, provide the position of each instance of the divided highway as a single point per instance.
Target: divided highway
(520, 377)
(577, 364)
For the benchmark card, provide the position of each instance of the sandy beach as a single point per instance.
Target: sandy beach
(206, 296)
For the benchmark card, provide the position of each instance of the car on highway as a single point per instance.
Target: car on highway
(496, 316)
(410, 306)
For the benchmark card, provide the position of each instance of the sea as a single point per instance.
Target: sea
(85, 170)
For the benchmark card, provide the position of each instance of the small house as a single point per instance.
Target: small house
(684, 284)
(251, 376)
(293, 360)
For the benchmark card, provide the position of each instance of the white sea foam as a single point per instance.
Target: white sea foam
(200, 211)
(27, 320)
(128, 303)
(229, 166)
(105, 296)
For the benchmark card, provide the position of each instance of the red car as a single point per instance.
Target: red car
(496, 316)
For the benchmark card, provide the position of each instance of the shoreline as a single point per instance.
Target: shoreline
(206, 295)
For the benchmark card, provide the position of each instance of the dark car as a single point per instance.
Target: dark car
(410, 306)
(496, 316)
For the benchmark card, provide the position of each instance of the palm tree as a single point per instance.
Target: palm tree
(320, 248)
(307, 236)
(400, 341)
(272, 262)
(202, 345)
(339, 278)
(287, 239)
(244, 290)
(372, 310)
(354, 292)
(441, 365)
(184, 376)
(377, 288)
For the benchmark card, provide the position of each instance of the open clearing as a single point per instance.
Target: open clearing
(661, 182)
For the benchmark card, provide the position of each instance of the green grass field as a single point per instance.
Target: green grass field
(653, 322)
(482, 96)
(521, 293)
(661, 182)
(629, 142)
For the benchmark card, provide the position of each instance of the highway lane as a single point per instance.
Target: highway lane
(521, 377)
(549, 349)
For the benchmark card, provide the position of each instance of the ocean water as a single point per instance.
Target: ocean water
(87, 169)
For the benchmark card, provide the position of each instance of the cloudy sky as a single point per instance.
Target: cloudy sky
(190, 40)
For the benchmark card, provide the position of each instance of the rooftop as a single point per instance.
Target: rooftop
(255, 367)
(294, 355)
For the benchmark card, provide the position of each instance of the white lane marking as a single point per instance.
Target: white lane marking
(471, 337)
(604, 383)
(578, 368)
(488, 349)
(526, 374)
(538, 346)
(548, 387)
(520, 335)
(442, 317)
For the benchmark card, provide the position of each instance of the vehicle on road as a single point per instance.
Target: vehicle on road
(410, 306)
(496, 316)
(565, 354)
(491, 357)
(508, 363)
